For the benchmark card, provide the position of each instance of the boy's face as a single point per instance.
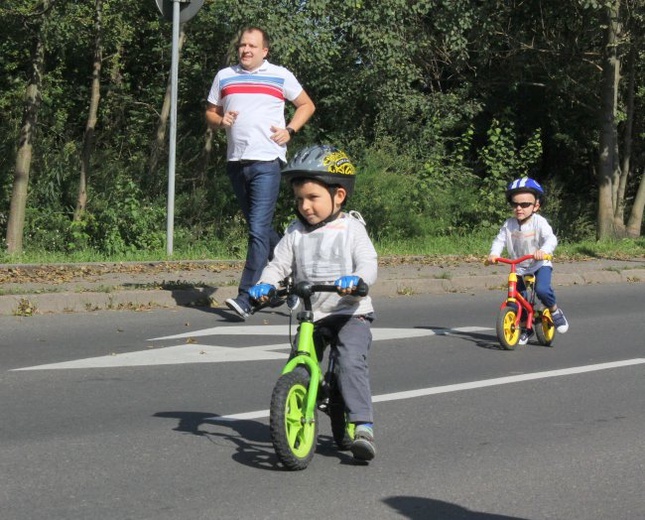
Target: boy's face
(524, 199)
(314, 201)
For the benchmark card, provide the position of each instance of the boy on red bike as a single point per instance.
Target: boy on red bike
(528, 233)
(328, 246)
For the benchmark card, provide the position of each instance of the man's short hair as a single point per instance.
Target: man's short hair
(252, 28)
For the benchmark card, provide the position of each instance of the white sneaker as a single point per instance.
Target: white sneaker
(525, 336)
(560, 322)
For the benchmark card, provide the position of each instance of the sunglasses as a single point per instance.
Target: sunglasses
(523, 205)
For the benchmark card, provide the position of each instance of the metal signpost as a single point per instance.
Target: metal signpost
(178, 11)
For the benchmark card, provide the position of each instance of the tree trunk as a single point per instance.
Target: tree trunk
(90, 127)
(608, 161)
(636, 215)
(206, 156)
(635, 221)
(627, 138)
(16, 220)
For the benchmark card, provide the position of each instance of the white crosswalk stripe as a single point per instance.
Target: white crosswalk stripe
(191, 352)
(472, 385)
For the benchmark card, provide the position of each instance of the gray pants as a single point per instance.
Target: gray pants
(351, 339)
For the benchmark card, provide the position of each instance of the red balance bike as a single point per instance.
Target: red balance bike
(518, 312)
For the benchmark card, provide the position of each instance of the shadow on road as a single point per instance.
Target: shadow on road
(418, 508)
(251, 440)
(487, 340)
(481, 339)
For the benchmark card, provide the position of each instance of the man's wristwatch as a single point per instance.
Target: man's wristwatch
(291, 131)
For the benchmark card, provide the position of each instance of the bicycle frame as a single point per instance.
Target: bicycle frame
(519, 313)
(306, 349)
(514, 296)
(306, 355)
(304, 388)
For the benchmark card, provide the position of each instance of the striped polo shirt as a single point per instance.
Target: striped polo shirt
(259, 98)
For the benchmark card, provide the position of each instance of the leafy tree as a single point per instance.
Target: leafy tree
(440, 103)
(34, 19)
(622, 21)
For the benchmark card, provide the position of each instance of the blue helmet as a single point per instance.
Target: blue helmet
(525, 185)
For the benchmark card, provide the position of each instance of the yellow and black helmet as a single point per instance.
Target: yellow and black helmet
(323, 163)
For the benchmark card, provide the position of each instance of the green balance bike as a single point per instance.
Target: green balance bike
(303, 389)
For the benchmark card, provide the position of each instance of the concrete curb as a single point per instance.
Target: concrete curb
(396, 282)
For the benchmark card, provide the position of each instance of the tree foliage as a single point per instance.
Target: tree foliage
(439, 103)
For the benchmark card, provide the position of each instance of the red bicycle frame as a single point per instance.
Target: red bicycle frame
(513, 295)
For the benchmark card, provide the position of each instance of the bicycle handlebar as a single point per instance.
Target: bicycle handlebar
(307, 289)
(515, 261)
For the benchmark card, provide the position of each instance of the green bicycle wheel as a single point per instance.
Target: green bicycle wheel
(294, 439)
(507, 333)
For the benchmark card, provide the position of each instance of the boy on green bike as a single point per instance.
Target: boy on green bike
(329, 246)
(528, 233)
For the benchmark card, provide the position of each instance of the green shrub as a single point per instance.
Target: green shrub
(46, 230)
(389, 196)
(124, 221)
(504, 158)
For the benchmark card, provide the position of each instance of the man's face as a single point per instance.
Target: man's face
(251, 50)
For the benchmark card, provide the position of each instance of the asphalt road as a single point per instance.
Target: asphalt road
(163, 414)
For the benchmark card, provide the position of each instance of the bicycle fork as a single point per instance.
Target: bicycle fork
(515, 298)
(306, 355)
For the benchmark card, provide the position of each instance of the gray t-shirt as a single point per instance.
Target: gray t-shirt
(340, 248)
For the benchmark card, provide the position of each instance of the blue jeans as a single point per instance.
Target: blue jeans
(543, 289)
(256, 185)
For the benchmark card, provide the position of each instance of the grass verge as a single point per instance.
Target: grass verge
(476, 245)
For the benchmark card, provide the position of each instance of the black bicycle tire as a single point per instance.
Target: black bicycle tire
(278, 414)
(540, 324)
(500, 325)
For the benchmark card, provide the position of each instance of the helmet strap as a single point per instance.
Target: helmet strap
(524, 220)
(333, 215)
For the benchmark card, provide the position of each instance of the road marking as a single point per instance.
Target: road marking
(203, 353)
(283, 330)
(178, 355)
(422, 392)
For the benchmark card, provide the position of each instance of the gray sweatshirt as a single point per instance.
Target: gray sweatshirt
(339, 248)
